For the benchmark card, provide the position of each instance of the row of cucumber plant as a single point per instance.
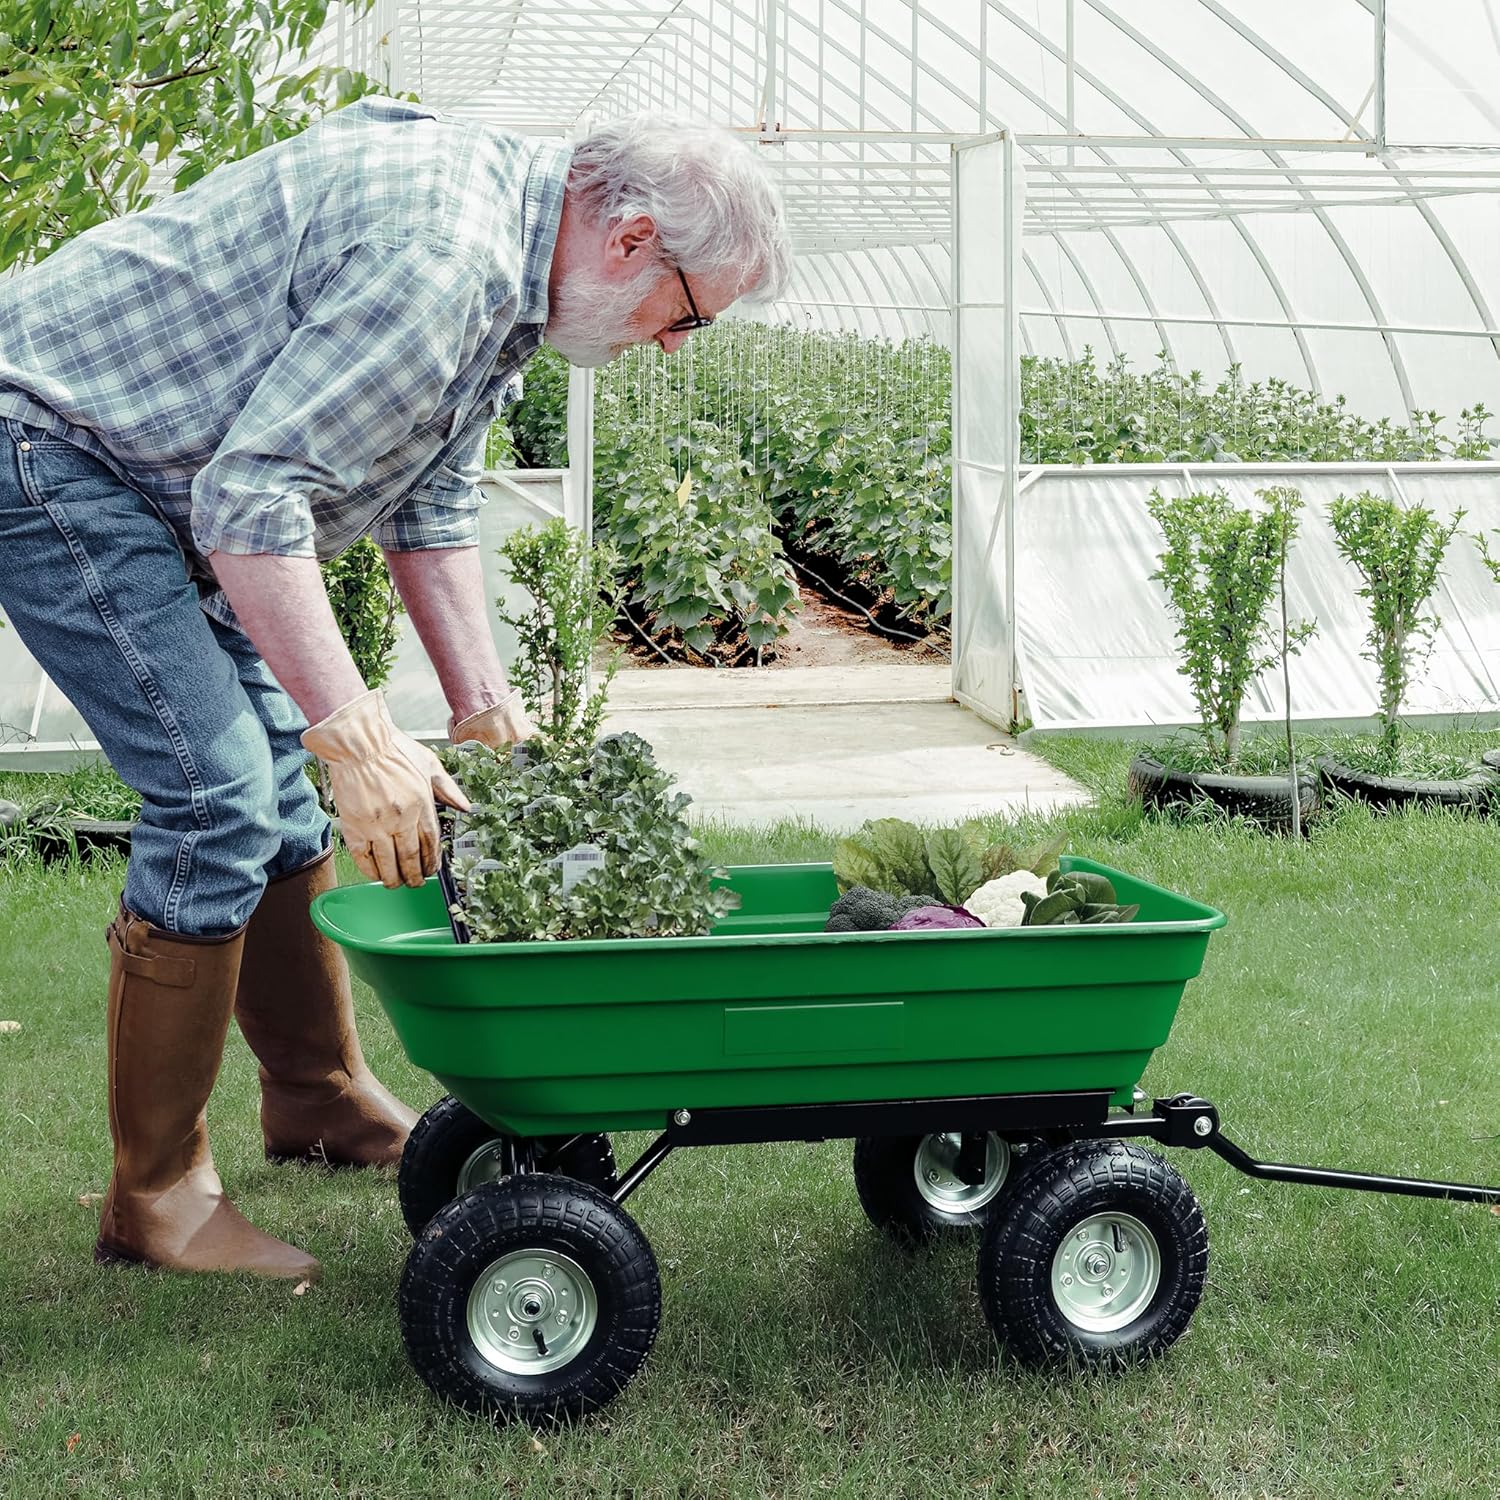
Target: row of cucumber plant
(761, 450)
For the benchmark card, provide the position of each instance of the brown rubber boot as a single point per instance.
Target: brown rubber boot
(169, 1003)
(319, 1100)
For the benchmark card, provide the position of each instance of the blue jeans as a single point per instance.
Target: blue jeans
(188, 714)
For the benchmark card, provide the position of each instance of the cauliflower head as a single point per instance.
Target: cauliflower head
(997, 903)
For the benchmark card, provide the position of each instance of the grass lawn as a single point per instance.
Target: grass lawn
(1348, 1344)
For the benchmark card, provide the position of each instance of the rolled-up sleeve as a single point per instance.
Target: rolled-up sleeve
(443, 510)
(370, 361)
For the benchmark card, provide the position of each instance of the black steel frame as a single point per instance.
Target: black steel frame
(1184, 1120)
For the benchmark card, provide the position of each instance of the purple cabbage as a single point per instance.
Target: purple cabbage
(933, 918)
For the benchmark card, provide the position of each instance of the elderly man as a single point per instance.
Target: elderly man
(200, 402)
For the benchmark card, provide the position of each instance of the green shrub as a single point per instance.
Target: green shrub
(1399, 555)
(1220, 570)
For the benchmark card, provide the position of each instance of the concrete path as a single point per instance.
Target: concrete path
(835, 746)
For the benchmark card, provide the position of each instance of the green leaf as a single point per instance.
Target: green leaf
(121, 47)
(902, 852)
(954, 864)
(1042, 858)
(856, 863)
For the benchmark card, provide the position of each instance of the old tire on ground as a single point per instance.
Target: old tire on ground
(1097, 1259)
(1478, 790)
(535, 1299)
(1266, 799)
(451, 1150)
(917, 1187)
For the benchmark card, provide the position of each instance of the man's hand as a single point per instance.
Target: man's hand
(384, 783)
(503, 723)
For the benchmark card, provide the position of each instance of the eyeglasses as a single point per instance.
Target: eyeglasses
(695, 319)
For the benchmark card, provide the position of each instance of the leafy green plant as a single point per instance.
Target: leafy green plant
(366, 606)
(1399, 555)
(1220, 571)
(894, 856)
(1076, 898)
(571, 842)
(89, 87)
(499, 446)
(845, 446)
(1491, 559)
(702, 570)
(572, 610)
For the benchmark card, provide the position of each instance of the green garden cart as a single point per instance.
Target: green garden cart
(987, 1077)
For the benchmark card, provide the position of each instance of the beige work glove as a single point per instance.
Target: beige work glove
(501, 724)
(384, 783)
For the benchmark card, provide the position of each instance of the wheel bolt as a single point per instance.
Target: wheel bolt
(515, 1333)
(932, 1175)
(1067, 1280)
(499, 1286)
(562, 1315)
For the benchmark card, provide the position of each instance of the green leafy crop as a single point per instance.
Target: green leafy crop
(542, 812)
(892, 855)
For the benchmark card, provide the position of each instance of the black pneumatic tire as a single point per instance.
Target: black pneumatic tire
(885, 1177)
(466, 1252)
(447, 1137)
(1130, 1185)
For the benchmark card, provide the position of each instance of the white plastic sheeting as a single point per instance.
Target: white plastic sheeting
(989, 195)
(1096, 642)
(40, 730)
(1265, 184)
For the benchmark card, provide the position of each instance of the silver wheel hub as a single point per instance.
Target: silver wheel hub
(939, 1183)
(532, 1311)
(487, 1164)
(1105, 1272)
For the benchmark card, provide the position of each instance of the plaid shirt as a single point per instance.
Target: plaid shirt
(307, 345)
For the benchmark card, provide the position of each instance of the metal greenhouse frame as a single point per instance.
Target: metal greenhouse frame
(1307, 192)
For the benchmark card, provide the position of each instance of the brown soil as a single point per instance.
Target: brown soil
(824, 633)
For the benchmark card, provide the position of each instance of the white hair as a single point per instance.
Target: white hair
(710, 195)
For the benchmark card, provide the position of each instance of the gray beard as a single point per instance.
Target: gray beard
(591, 321)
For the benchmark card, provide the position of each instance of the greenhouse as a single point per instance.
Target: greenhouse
(1299, 218)
(992, 658)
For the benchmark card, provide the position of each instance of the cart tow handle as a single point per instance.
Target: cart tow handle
(1186, 1120)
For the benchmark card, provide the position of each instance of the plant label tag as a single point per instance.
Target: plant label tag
(577, 862)
(474, 871)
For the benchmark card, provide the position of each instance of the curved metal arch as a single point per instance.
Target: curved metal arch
(1226, 336)
(1423, 207)
(1162, 328)
(1251, 243)
(1041, 286)
(1398, 362)
(893, 256)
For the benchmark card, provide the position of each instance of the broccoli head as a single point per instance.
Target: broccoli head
(861, 909)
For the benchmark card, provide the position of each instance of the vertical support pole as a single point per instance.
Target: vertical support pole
(391, 64)
(1380, 34)
(1012, 413)
(1072, 117)
(770, 112)
(578, 484)
(955, 404)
